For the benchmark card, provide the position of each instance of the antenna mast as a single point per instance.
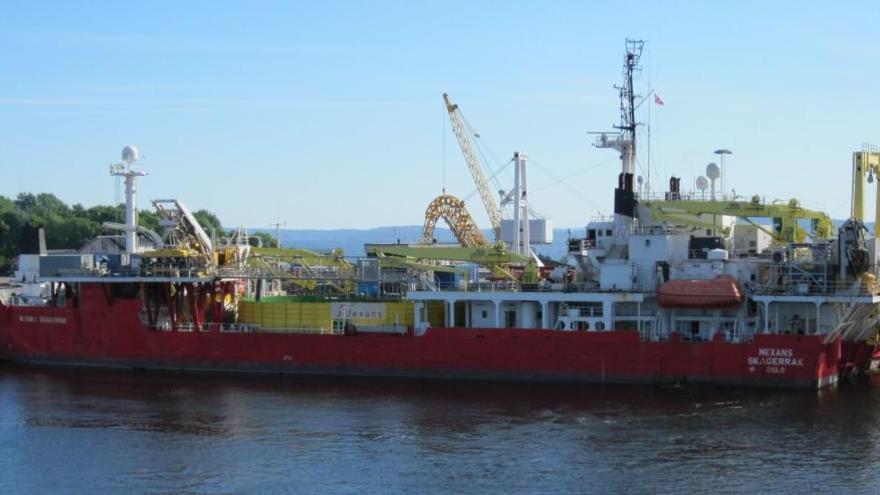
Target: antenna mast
(625, 141)
(278, 226)
(129, 171)
(631, 65)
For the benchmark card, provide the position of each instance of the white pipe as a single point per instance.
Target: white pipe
(527, 244)
(131, 217)
(517, 195)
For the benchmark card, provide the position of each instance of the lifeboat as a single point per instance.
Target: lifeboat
(718, 292)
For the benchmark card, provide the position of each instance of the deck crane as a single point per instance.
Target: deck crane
(785, 216)
(461, 130)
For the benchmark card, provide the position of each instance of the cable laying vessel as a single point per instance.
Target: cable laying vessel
(677, 287)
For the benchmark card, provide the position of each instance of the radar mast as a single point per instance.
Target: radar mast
(625, 140)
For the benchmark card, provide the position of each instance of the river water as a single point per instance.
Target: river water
(64, 431)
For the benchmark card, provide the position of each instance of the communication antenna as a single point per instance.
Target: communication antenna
(129, 171)
(713, 172)
(721, 152)
(702, 185)
(624, 141)
(278, 226)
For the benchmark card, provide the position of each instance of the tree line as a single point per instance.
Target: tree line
(70, 227)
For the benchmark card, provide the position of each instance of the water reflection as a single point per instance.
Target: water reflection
(178, 433)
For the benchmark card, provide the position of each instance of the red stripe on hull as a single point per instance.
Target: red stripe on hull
(113, 336)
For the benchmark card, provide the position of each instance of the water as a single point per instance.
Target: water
(86, 432)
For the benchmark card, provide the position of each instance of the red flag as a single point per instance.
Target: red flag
(658, 100)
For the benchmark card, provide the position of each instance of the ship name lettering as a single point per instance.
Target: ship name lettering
(774, 361)
(57, 320)
(773, 352)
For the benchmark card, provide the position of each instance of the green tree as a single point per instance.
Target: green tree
(267, 239)
(103, 213)
(208, 220)
(149, 220)
(69, 227)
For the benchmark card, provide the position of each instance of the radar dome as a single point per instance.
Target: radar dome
(130, 154)
(713, 171)
(702, 183)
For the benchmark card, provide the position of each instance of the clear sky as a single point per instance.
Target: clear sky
(329, 114)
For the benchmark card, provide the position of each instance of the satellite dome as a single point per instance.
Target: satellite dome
(713, 171)
(130, 154)
(702, 183)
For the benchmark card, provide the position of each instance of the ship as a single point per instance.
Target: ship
(676, 287)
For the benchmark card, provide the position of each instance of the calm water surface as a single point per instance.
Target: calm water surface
(67, 431)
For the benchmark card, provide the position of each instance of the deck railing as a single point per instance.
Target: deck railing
(255, 328)
(238, 328)
(831, 288)
(510, 286)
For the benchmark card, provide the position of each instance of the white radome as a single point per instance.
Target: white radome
(713, 171)
(130, 154)
(702, 183)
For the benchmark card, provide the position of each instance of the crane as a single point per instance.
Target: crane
(460, 128)
(785, 216)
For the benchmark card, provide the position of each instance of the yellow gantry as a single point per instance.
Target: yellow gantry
(452, 210)
(866, 164)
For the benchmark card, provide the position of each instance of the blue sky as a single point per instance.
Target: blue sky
(329, 114)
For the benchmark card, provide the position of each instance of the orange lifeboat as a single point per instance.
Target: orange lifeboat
(719, 292)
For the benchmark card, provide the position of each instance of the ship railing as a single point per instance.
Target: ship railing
(544, 286)
(602, 219)
(329, 276)
(105, 275)
(496, 286)
(691, 196)
(657, 230)
(830, 288)
(240, 328)
(727, 336)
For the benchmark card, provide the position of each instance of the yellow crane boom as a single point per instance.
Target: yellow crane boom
(785, 216)
(460, 128)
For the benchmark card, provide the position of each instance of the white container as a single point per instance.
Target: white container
(717, 254)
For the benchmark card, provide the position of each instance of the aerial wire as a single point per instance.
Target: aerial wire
(564, 181)
(650, 113)
(443, 139)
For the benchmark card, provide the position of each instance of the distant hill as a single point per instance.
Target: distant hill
(352, 240)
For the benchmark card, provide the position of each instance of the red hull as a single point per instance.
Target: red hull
(105, 333)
